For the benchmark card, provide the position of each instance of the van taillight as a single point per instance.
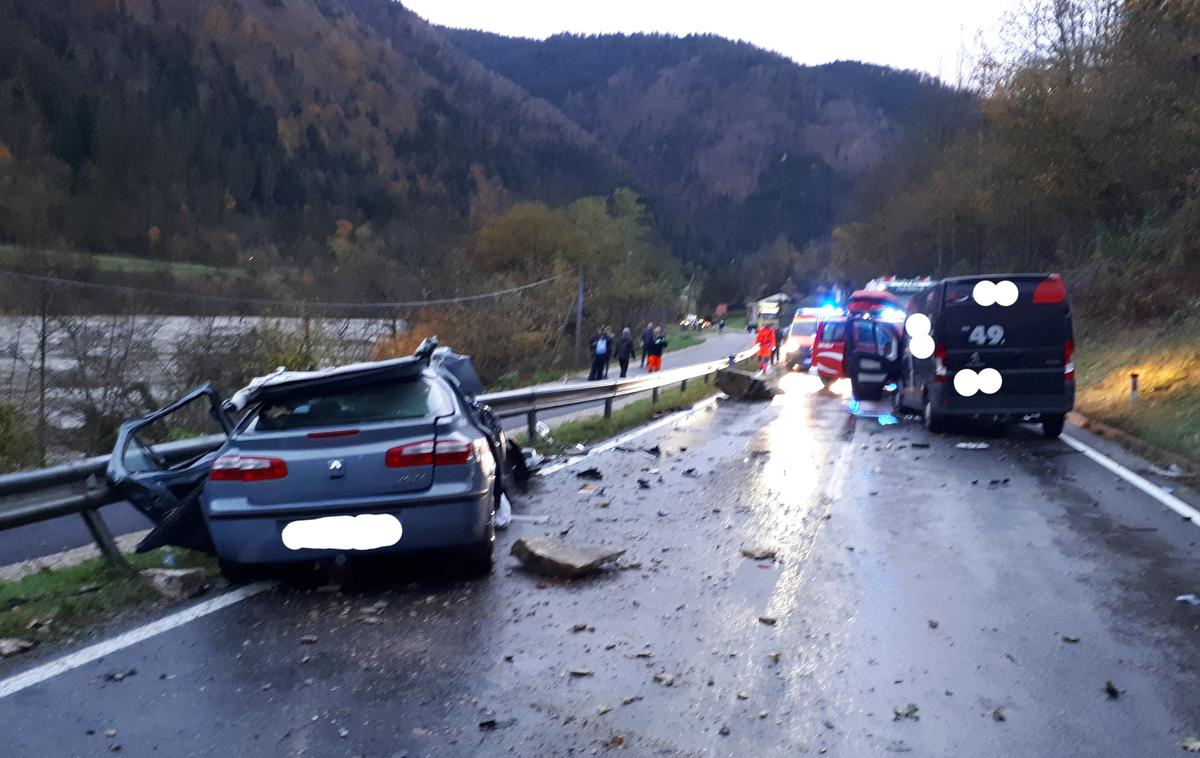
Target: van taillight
(939, 362)
(451, 451)
(1069, 360)
(240, 468)
(1050, 291)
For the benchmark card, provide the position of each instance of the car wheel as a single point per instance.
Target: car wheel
(898, 408)
(935, 423)
(1052, 426)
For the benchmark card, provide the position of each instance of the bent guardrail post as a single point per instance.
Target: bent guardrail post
(104, 540)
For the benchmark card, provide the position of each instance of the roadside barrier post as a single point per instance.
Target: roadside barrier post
(104, 540)
(608, 407)
(1133, 389)
(683, 386)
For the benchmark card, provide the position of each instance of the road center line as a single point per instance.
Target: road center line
(1146, 486)
(88, 654)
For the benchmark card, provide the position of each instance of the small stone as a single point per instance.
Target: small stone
(775, 656)
(743, 696)
(933, 624)
(666, 680)
(768, 620)
(13, 646)
(343, 733)
(998, 714)
(724, 730)
(580, 672)
(631, 699)
(763, 714)
(603, 710)
(309, 639)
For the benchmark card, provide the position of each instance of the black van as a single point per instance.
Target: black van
(1003, 349)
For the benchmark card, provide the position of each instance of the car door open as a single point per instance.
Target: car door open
(161, 461)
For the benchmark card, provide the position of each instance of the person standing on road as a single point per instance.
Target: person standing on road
(721, 326)
(765, 339)
(658, 344)
(777, 342)
(600, 349)
(647, 338)
(625, 350)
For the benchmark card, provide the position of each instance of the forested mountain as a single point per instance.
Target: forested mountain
(352, 136)
(742, 145)
(196, 131)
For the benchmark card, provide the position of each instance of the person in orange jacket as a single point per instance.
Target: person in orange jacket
(765, 339)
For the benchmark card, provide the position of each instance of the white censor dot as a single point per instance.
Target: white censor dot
(966, 383)
(1006, 293)
(988, 293)
(990, 381)
(364, 532)
(920, 344)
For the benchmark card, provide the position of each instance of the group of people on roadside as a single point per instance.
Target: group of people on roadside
(605, 345)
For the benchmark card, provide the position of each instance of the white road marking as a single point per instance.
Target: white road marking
(88, 654)
(1151, 489)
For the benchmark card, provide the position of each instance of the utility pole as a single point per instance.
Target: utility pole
(579, 320)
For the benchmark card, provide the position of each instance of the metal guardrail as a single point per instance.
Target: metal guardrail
(80, 488)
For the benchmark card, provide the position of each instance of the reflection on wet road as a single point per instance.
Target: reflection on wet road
(905, 571)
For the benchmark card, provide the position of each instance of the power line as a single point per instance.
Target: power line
(229, 299)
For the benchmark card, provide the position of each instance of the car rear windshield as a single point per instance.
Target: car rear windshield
(803, 328)
(968, 325)
(380, 402)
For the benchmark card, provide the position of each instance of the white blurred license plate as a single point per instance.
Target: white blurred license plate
(869, 364)
(366, 531)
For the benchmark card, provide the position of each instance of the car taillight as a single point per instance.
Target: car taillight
(939, 362)
(240, 468)
(448, 452)
(1050, 291)
(1069, 360)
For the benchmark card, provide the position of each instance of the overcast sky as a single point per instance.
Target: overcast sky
(926, 35)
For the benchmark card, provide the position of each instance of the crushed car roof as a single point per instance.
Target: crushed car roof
(282, 382)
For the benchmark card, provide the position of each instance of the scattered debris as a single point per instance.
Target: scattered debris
(691, 472)
(933, 624)
(12, 646)
(775, 656)
(603, 503)
(587, 489)
(631, 699)
(110, 733)
(309, 639)
(1070, 638)
(656, 451)
(742, 385)
(724, 730)
(582, 628)
(603, 710)
(666, 680)
(553, 557)
(1111, 690)
(176, 584)
(580, 672)
(758, 552)
(643, 484)
(921, 445)
(615, 740)
(907, 712)
(1190, 599)
(743, 696)
(897, 746)
(972, 446)
(1191, 745)
(768, 620)
(1171, 472)
(491, 724)
(763, 714)
(119, 676)
(998, 714)
(591, 474)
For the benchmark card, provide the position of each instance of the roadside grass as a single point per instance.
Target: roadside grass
(736, 323)
(679, 339)
(112, 262)
(69, 602)
(1167, 361)
(592, 429)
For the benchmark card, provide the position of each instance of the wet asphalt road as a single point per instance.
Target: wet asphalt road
(936, 576)
(46, 537)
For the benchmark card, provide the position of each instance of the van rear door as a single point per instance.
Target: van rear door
(1029, 342)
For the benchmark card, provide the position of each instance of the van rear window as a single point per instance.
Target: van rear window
(381, 402)
(965, 324)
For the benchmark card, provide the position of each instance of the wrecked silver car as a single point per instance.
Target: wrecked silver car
(384, 457)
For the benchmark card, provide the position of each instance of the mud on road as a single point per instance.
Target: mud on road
(920, 598)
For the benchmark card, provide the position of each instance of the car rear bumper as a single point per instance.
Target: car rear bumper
(1004, 406)
(446, 524)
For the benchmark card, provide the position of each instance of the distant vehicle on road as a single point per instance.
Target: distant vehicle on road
(999, 347)
(901, 289)
(385, 457)
(798, 347)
